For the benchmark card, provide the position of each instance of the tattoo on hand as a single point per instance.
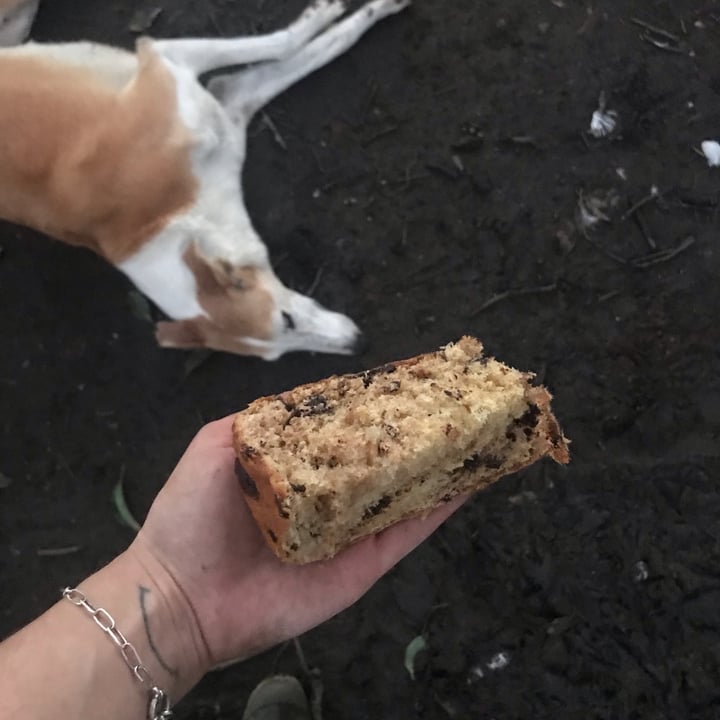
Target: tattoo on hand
(146, 621)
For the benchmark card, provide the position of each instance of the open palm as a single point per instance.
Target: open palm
(246, 600)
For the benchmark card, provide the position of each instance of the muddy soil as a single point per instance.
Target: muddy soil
(428, 183)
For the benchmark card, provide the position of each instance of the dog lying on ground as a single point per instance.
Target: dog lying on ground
(130, 156)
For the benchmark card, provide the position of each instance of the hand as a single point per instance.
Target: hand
(243, 598)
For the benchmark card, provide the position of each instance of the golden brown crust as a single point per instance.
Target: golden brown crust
(558, 446)
(264, 490)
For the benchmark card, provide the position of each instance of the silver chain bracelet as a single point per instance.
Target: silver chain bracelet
(159, 703)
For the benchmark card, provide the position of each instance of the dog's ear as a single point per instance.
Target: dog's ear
(180, 334)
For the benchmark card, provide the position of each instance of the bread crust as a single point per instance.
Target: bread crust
(264, 489)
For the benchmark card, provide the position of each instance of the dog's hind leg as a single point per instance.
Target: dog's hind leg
(244, 93)
(202, 55)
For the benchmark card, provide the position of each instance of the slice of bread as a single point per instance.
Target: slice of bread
(331, 462)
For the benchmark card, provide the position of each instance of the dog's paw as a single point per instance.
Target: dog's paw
(382, 8)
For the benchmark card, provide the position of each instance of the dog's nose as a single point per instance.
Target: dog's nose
(361, 344)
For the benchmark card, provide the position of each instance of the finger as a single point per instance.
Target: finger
(217, 433)
(398, 540)
(365, 562)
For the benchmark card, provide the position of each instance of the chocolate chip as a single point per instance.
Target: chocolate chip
(313, 405)
(248, 452)
(298, 488)
(454, 394)
(377, 507)
(530, 418)
(281, 509)
(246, 482)
(478, 460)
(493, 462)
(555, 434)
(391, 430)
(369, 375)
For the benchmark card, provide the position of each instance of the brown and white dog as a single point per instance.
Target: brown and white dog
(129, 155)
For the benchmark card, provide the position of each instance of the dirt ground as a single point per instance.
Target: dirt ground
(429, 187)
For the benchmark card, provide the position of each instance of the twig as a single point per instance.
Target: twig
(499, 297)
(278, 655)
(64, 463)
(318, 161)
(313, 676)
(428, 270)
(58, 551)
(524, 140)
(608, 253)
(609, 295)
(316, 281)
(301, 656)
(654, 195)
(644, 230)
(655, 29)
(662, 45)
(371, 99)
(270, 125)
(707, 202)
(380, 134)
(646, 261)
(589, 22)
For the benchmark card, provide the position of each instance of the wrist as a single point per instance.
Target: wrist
(150, 609)
(170, 628)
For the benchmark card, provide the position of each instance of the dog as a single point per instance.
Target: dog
(128, 154)
(16, 19)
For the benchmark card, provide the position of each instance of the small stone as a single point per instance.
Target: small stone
(499, 661)
(640, 572)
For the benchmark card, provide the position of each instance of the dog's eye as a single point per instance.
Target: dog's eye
(288, 320)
